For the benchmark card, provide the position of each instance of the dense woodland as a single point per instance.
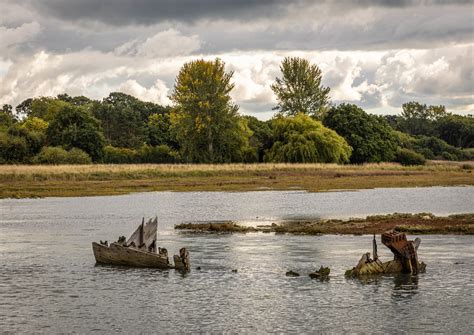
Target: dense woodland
(204, 126)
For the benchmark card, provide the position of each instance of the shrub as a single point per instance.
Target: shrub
(52, 155)
(78, 156)
(159, 154)
(113, 155)
(13, 149)
(409, 157)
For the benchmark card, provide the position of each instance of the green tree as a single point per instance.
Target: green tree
(300, 139)
(123, 119)
(456, 130)
(7, 118)
(24, 108)
(370, 136)
(160, 131)
(300, 89)
(262, 137)
(420, 119)
(75, 127)
(46, 108)
(204, 118)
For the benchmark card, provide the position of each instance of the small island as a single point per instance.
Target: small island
(422, 223)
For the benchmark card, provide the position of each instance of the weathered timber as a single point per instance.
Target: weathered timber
(140, 250)
(405, 258)
(117, 254)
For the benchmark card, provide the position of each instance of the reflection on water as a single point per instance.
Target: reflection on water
(49, 283)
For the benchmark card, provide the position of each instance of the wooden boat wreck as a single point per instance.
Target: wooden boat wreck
(140, 250)
(405, 258)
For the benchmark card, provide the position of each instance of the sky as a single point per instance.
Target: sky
(376, 54)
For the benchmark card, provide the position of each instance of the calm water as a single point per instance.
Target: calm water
(48, 281)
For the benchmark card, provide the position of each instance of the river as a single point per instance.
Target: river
(49, 282)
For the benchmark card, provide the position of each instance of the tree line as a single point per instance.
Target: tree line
(203, 125)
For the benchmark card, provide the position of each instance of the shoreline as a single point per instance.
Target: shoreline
(414, 224)
(38, 181)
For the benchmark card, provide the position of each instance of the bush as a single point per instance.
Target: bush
(13, 149)
(78, 156)
(409, 157)
(300, 139)
(113, 155)
(159, 154)
(52, 155)
(58, 155)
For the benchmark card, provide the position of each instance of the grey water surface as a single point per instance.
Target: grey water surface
(49, 282)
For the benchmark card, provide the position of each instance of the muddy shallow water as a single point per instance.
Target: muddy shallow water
(49, 283)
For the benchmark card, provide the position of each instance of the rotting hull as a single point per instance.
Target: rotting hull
(116, 254)
(367, 267)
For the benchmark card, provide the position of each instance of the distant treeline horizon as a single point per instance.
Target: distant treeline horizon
(203, 126)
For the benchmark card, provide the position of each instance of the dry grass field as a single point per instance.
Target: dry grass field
(22, 181)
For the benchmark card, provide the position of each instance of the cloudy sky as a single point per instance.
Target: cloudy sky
(377, 54)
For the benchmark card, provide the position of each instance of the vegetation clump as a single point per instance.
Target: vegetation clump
(302, 139)
(409, 157)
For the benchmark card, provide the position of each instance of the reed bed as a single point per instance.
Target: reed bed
(21, 181)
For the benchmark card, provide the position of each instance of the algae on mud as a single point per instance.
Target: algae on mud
(421, 223)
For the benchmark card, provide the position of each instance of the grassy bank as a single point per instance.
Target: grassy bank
(423, 223)
(21, 181)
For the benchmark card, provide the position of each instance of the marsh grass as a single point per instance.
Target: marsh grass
(84, 180)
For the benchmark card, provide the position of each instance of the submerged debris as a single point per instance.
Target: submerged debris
(321, 274)
(405, 258)
(292, 274)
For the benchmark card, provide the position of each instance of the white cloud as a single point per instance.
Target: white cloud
(157, 93)
(375, 80)
(166, 43)
(11, 37)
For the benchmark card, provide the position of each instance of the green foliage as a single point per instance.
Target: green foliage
(15, 139)
(58, 155)
(13, 149)
(431, 147)
(159, 129)
(456, 130)
(76, 101)
(46, 108)
(113, 155)
(435, 148)
(204, 118)
(370, 136)
(52, 155)
(300, 89)
(124, 119)
(409, 157)
(78, 156)
(7, 118)
(261, 139)
(35, 124)
(75, 127)
(300, 139)
(420, 119)
(158, 154)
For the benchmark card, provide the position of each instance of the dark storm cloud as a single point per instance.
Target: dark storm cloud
(119, 12)
(145, 12)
